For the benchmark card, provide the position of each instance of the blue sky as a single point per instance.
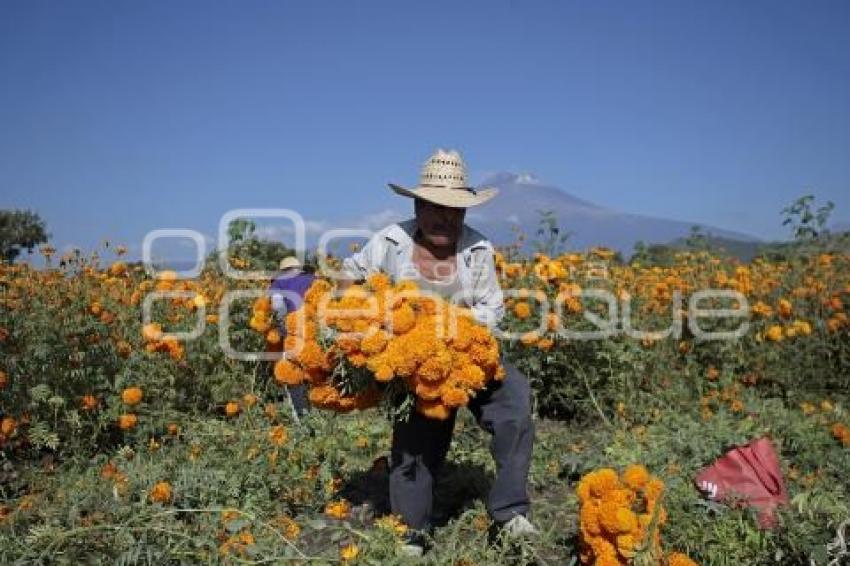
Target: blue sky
(120, 117)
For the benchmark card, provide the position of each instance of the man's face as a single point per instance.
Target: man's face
(440, 226)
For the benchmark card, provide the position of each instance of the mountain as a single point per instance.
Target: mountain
(521, 196)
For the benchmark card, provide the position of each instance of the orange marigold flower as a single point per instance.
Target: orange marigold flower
(273, 336)
(126, 422)
(287, 373)
(530, 338)
(472, 376)
(278, 435)
(374, 343)
(522, 310)
(161, 492)
(312, 356)
(323, 395)
(384, 373)
(290, 528)
(109, 470)
(785, 308)
(841, 433)
(428, 391)
(152, 332)
(635, 476)
(626, 544)
(403, 319)
(89, 402)
(433, 409)
(338, 509)
(8, 426)
(231, 409)
(379, 282)
(654, 488)
(434, 369)
(131, 396)
(602, 481)
(589, 519)
(774, 333)
(679, 559)
(454, 397)
(616, 519)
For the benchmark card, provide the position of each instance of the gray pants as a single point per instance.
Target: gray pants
(420, 445)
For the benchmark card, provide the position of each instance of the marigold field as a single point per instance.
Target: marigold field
(120, 444)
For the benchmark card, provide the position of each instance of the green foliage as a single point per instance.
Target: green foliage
(76, 488)
(550, 239)
(20, 230)
(249, 252)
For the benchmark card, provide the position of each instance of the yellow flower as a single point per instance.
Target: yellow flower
(803, 327)
(774, 333)
(784, 308)
(392, 523)
(290, 528)
(349, 552)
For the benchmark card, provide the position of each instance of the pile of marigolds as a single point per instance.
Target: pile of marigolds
(621, 517)
(354, 348)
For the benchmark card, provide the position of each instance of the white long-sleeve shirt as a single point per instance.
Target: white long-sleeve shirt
(391, 249)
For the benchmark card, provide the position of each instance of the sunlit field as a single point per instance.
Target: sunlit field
(120, 444)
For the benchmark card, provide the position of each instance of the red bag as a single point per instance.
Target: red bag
(750, 473)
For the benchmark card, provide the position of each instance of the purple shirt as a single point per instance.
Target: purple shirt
(297, 284)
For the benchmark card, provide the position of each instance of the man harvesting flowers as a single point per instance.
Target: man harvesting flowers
(446, 258)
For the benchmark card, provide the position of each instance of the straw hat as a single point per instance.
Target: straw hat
(289, 263)
(443, 181)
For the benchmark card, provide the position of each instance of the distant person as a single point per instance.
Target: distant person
(294, 281)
